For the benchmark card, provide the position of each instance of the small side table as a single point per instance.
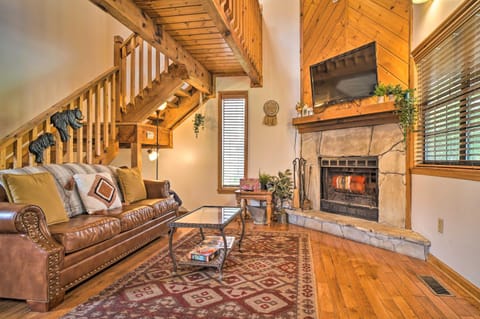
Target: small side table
(243, 196)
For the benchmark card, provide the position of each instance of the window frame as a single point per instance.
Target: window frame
(221, 97)
(467, 172)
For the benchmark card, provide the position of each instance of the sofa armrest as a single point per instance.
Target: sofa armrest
(157, 189)
(32, 259)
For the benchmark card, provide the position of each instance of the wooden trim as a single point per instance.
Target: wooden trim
(469, 288)
(221, 96)
(467, 173)
(309, 124)
(464, 12)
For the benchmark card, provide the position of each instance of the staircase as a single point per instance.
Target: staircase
(129, 92)
(117, 106)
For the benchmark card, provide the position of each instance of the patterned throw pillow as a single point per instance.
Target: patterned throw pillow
(97, 191)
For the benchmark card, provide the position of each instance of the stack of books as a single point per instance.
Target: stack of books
(209, 248)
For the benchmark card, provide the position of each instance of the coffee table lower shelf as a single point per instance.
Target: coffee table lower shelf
(217, 262)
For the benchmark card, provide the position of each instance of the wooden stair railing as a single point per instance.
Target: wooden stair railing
(244, 18)
(142, 69)
(94, 143)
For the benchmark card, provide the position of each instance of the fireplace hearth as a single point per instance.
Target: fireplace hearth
(349, 186)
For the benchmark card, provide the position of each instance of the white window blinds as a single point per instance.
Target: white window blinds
(233, 139)
(449, 98)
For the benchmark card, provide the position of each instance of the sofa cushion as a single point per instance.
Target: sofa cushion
(160, 205)
(84, 230)
(98, 191)
(131, 184)
(33, 189)
(130, 216)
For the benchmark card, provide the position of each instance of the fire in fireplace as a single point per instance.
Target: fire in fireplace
(349, 186)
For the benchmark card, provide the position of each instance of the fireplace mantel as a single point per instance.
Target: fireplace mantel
(346, 116)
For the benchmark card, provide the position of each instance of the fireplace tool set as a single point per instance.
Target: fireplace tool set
(300, 199)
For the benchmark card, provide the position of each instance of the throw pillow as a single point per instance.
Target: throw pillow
(131, 184)
(97, 191)
(38, 189)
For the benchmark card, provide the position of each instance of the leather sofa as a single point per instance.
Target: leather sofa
(39, 262)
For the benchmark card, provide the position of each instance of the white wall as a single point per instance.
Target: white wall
(191, 165)
(454, 200)
(49, 49)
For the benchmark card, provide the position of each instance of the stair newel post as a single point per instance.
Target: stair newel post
(118, 91)
(71, 132)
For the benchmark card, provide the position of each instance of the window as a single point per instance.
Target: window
(232, 117)
(449, 96)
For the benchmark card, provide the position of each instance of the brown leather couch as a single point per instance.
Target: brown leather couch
(38, 263)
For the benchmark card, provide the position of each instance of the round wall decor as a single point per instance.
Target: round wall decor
(270, 108)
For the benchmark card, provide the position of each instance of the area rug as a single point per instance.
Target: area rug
(272, 277)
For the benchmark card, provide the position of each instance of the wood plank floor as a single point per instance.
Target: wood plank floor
(353, 281)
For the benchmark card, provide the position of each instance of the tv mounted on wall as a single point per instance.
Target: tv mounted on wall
(345, 77)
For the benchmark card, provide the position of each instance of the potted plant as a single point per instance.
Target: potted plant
(198, 122)
(379, 92)
(406, 110)
(264, 180)
(282, 188)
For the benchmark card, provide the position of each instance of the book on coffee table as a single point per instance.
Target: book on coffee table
(203, 253)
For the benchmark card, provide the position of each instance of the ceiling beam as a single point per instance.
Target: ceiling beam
(139, 22)
(233, 41)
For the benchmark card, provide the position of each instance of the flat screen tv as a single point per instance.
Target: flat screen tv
(345, 77)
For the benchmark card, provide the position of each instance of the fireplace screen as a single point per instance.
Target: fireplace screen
(350, 186)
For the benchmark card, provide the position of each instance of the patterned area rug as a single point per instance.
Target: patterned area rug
(272, 277)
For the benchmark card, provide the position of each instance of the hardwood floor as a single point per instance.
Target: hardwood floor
(353, 281)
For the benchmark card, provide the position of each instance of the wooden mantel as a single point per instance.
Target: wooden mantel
(346, 116)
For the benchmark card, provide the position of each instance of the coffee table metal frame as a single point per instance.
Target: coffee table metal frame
(195, 219)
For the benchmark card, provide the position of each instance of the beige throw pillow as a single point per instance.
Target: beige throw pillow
(131, 184)
(38, 189)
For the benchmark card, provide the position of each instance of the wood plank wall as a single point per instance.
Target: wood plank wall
(332, 27)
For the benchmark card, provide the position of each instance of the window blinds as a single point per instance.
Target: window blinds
(233, 140)
(449, 99)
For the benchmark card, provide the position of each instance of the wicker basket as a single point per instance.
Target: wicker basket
(258, 214)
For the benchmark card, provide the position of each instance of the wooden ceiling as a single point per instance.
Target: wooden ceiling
(190, 24)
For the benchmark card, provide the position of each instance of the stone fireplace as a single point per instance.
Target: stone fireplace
(386, 185)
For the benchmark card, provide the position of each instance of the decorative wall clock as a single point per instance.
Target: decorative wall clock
(270, 108)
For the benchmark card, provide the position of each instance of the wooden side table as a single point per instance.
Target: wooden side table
(243, 196)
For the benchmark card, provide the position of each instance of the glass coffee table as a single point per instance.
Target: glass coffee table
(206, 217)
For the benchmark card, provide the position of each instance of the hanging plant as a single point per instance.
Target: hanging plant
(406, 110)
(198, 122)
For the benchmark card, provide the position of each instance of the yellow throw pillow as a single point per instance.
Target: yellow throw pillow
(131, 183)
(38, 189)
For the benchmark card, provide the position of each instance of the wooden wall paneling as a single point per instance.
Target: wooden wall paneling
(367, 29)
(384, 17)
(323, 33)
(329, 29)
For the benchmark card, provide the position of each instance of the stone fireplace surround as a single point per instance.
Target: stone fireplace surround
(384, 141)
